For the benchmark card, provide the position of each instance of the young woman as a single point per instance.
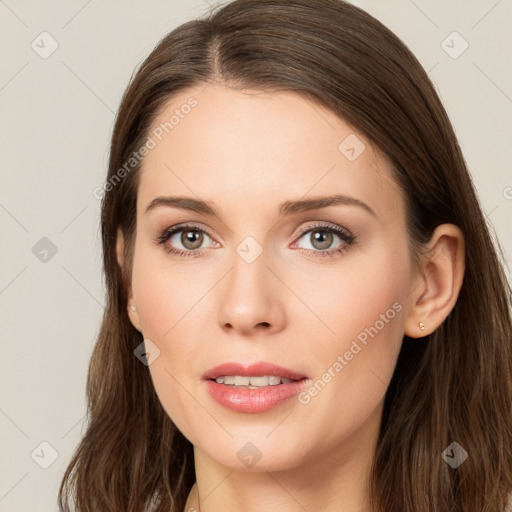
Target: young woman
(305, 308)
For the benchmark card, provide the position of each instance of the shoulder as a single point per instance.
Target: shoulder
(509, 504)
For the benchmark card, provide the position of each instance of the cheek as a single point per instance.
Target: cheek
(167, 303)
(352, 296)
(165, 293)
(175, 394)
(361, 309)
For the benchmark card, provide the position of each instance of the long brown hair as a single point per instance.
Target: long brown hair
(454, 385)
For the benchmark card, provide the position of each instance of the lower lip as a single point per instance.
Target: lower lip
(253, 400)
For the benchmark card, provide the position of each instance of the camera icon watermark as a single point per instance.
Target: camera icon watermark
(147, 352)
(249, 455)
(454, 455)
(44, 45)
(44, 250)
(507, 193)
(44, 455)
(454, 45)
(351, 147)
(249, 249)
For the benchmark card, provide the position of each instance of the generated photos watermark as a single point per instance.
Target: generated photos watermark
(156, 136)
(343, 360)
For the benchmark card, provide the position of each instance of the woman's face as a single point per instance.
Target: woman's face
(272, 277)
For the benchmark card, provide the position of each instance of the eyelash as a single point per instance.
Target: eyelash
(347, 238)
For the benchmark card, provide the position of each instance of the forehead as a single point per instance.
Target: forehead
(259, 148)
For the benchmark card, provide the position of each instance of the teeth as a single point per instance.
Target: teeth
(253, 382)
(242, 381)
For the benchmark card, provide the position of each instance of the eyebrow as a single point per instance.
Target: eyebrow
(286, 208)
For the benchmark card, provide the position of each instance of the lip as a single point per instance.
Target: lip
(253, 400)
(255, 370)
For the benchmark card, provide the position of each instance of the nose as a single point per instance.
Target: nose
(251, 298)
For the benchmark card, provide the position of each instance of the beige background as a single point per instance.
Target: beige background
(56, 119)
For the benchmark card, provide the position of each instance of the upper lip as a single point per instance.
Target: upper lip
(255, 369)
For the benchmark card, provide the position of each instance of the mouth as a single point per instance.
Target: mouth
(255, 388)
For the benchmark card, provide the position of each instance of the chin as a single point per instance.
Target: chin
(255, 453)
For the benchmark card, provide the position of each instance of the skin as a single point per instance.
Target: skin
(247, 152)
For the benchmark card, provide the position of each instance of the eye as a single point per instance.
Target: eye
(184, 240)
(322, 237)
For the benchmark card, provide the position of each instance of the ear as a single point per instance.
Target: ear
(132, 307)
(439, 281)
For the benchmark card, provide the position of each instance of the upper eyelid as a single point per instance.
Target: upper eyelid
(324, 225)
(183, 227)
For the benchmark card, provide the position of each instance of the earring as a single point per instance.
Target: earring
(422, 326)
(133, 308)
